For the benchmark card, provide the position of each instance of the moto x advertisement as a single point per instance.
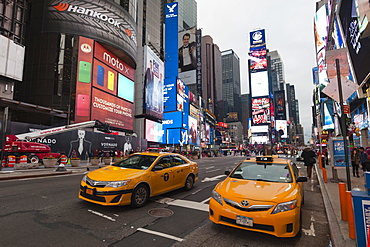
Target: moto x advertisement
(261, 111)
(103, 20)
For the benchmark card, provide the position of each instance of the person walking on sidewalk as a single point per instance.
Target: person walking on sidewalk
(355, 160)
(364, 160)
(309, 160)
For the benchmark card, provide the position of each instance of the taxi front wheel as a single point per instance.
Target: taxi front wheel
(139, 196)
(189, 182)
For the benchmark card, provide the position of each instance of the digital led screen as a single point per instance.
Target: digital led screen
(259, 84)
(187, 63)
(280, 109)
(261, 111)
(258, 59)
(283, 126)
(153, 131)
(257, 38)
(126, 88)
(193, 131)
(172, 120)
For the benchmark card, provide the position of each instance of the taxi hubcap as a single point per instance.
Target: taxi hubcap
(140, 195)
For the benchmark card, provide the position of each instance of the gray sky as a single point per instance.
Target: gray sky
(289, 30)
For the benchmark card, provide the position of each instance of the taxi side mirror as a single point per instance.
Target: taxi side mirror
(302, 179)
(227, 173)
(157, 168)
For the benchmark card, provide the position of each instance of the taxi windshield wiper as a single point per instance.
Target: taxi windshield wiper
(265, 180)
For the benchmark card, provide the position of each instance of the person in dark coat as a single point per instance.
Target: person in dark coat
(355, 161)
(309, 160)
(364, 160)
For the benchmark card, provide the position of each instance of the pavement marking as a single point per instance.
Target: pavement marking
(213, 170)
(161, 234)
(210, 167)
(206, 200)
(102, 215)
(185, 204)
(207, 179)
(311, 231)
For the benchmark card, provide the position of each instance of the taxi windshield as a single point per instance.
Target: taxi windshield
(142, 162)
(269, 172)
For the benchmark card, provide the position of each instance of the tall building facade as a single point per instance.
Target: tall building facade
(276, 71)
(231, 91)
(187, 14)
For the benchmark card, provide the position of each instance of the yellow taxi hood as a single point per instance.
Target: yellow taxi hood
(256, 190)
(114, 173)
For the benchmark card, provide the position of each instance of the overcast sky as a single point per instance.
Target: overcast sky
(289, 30)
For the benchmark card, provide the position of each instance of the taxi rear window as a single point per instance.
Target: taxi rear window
(269, 172)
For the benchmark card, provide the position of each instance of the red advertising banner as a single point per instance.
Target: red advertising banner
(112, 110)
(261, 111)
(113, 61)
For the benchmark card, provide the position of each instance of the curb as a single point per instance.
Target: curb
(35, 175)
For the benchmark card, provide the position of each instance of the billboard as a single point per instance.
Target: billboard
(258, 59)
(104, 21)
(358, 47)
(193, 131)
(257, 38)
(280, 109)
(104, 86)
(321, 33)
(259, 84)
(261, 111)
(187, 56)
(153, 84)
(282, 127)
(153, 131)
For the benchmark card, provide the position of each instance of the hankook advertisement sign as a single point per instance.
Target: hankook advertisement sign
(103, 20)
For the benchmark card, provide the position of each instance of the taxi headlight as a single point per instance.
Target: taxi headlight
(285, 206)
(116, 184)
(217, 197)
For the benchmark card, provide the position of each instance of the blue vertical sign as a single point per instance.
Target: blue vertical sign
(338, 152)
(171, 56)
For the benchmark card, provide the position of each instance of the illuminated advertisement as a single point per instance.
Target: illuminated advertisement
(182, 96)
(171, 56)
(187, 57)
(283, 126)
(261, 111)
(112, 110)
(153, 84)
(280, 109)
(358, 47)
(104, 86)
(172, 120)
(193, 131)
(208, 133)
(259, 84)
(258, 59)
(257, 38)
(320, 28)
(363, 17)
(153, 131)
(104, 21)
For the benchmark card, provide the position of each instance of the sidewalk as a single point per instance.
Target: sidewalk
(330, 193)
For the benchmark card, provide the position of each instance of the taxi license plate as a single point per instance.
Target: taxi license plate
(89, 191)
(245, 221)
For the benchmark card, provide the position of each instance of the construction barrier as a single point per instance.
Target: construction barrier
(11, 160)
(4, 162)
(23, 159)
(63, 159)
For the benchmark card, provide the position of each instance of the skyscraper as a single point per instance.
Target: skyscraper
(231, 85)
(276, 71)
(187, 14)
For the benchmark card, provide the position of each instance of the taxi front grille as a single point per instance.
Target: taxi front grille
(255, 226)
(92, 197)
(253, 208)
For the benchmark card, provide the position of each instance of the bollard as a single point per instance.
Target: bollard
(320, 161)
(11, 161)
(63, 161)
(350, 216)
(342, 199)
(324, 175)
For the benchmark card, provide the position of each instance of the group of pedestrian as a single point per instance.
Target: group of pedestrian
(359, 157)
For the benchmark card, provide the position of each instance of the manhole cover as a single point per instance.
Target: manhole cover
(160, 212)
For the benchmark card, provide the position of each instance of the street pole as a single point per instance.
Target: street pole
(343, 125)
(5, 126)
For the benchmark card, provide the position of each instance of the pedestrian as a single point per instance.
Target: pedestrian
(355, 160)
(364, 160)
(309, 160)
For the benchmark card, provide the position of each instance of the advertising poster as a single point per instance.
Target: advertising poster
(187, 56)
(153, 84)
(258, 59)
(193, 131)
(282, 127)
(261, 111)
(337, 146)
(259, 84)
(280, 108)
(182, 96)
(154, 131)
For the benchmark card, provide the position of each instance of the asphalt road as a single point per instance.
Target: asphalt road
(47, 212)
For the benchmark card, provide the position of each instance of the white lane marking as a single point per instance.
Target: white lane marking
(213, 170)
(206, 200)
(102, 215)
(207, 179)
(311, 231)
(185, 204)
(210, 167)
(160, 234)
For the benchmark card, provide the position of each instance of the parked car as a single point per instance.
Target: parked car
(262, 194)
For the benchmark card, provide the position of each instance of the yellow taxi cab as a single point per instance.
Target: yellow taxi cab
(133, 180)
(262, 194)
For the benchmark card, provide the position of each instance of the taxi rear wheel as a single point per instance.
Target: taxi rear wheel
(189, 182)
(139, 196)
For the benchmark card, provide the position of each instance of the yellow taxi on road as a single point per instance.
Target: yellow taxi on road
(262, 194)
(133, 180)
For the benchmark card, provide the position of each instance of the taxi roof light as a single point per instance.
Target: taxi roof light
(264, 158)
